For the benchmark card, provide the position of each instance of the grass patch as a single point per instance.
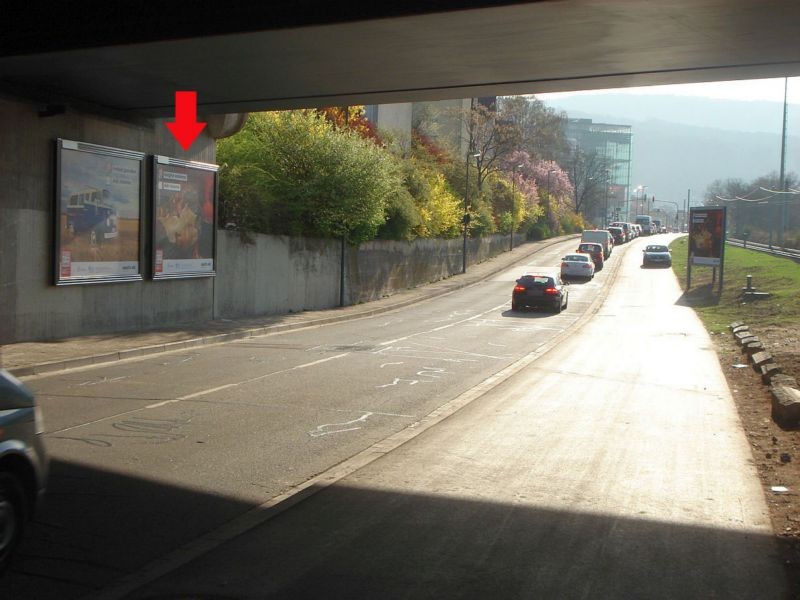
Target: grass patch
(778, 276)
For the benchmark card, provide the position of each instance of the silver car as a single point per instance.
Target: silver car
(577, 265)
(23, 463)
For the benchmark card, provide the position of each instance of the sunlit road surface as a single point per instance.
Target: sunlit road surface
(614, 466)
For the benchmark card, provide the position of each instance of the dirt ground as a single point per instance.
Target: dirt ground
(776, 451)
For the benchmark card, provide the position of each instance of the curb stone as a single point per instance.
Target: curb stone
(783, 388)
(768, 371)
(785, 405)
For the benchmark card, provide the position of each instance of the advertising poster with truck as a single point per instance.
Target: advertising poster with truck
(99, 205)
(184, 218)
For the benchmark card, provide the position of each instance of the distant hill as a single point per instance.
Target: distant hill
(673, 151)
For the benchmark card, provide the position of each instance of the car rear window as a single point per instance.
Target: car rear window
(590, 247)
(577, 257)
(537, 280)
(657, 249)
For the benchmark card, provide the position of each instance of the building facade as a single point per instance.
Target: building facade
(613, 144)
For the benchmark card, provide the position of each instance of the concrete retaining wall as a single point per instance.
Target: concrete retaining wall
(31, 307)
(276, 274)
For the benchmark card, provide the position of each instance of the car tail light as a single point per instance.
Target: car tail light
(587, 266)
(519, 288)
(564, 265)
(551, 291)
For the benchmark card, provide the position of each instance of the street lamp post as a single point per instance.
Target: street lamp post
(466, 212)
(605, 204)
(513, 203)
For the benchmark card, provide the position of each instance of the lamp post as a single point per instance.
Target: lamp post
(605, 203)
(470, 155)
(513, 203)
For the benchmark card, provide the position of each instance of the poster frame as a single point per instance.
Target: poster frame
(157, 160)
(703, 260)
(62, 145)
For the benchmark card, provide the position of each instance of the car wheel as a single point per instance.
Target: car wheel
(514, 306)
(566, 302)
(12, 517)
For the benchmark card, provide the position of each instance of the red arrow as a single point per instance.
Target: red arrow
(185, 127)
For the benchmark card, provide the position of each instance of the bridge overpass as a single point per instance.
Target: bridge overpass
(130, 58)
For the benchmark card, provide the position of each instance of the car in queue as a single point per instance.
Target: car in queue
(577, 265)
(595, 251)
(599, 236)
(657, 255)
(540, 290)
(627, 229)
(23, 463)
(618, 234)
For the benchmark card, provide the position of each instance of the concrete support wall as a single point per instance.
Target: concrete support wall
(31, 307)
(276, 274)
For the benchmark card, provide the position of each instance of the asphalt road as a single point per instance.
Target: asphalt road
(612, 466)
(149, 454)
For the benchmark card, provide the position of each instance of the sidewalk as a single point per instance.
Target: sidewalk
(33, 358)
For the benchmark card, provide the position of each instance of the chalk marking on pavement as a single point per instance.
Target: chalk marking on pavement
(388, 364)
(319, 431)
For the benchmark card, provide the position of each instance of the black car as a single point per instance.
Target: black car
(657, 255)
(540, 291)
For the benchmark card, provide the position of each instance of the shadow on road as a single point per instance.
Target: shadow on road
(353, 542)
(358, 542)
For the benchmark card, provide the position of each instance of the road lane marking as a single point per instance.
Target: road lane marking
(449, 325)
(389, 364)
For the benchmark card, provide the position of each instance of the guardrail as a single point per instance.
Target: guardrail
(791, 253)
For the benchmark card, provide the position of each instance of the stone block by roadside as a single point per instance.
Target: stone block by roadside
(747, 340)
(753, 348)
(740, 335)
(740, 329)
(785, 405)
(768, 371)
(782, 379)
(735, 325)
(760, 358)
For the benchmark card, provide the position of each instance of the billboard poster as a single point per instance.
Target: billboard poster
(184, 218)
(706, 235)
(98, 214)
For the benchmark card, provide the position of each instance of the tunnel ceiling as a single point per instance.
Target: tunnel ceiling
(130, 58)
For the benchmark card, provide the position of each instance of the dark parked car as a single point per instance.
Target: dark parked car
(657, 255)
(23, 463)
(540, 291)
(618, 234)
(595, 251)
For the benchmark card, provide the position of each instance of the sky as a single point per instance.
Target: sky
(770, 90)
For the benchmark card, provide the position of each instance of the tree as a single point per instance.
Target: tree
(308, 177)
(589, 174)
(541, 128)
(490, 140)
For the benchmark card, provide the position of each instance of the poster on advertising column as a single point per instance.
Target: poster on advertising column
(184, 218)
(98, 233)
(706, 235)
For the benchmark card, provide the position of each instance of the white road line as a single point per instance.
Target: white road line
(389, 364)
(210, 391)
(479, 315)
